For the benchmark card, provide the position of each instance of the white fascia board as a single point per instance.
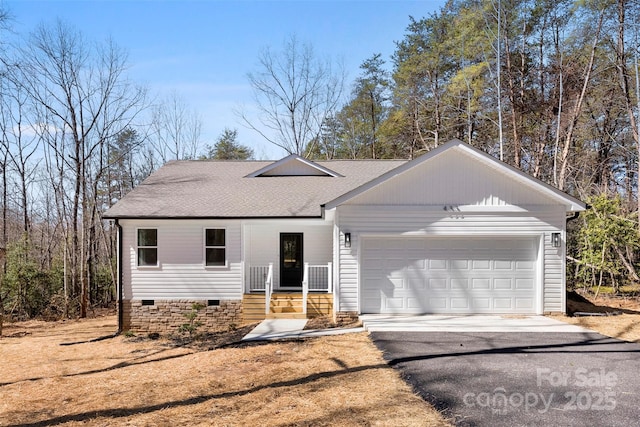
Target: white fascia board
(319, 167)
(271, 166)
(572, 203)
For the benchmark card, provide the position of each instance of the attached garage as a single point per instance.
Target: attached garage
(455, 231)
(449, 275)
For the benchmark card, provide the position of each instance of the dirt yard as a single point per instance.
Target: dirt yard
(340, 380)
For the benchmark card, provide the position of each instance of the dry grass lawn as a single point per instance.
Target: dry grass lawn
(339, 380)
(624, 326)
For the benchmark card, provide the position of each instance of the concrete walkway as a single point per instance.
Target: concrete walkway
(274, 329)
(475, 323)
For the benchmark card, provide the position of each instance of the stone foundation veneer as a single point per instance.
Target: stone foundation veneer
(166, 316)
(346, 317)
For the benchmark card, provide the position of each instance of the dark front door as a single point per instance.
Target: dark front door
(290, 260)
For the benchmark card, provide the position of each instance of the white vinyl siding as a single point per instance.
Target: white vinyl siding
(181, 273)
(453, 178)
(435, 221)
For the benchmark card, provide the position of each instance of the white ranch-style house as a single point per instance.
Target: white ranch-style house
(453, 231)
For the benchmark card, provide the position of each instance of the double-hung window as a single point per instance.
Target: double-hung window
(147, 247)
(215, 250)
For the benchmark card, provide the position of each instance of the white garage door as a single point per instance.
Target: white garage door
(448, 275)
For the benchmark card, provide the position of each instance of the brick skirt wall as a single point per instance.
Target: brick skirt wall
(346, 316)
(166, 316)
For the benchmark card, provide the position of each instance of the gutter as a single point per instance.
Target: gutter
(576, 214)
(119, 284)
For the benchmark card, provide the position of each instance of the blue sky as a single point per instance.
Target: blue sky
(203, 49)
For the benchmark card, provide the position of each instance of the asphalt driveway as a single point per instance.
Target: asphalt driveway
(520, 378)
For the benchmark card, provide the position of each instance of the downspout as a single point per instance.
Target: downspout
(120, 292)
(573, 216)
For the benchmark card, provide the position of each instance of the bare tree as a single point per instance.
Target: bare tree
(4, 156)
(21, 144)
(294, 92)
(175, 130)
(574, 113)
(82, 99)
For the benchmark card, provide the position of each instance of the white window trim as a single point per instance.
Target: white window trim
(157, 247)
(205, 247)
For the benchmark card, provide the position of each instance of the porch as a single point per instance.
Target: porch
(264, 299)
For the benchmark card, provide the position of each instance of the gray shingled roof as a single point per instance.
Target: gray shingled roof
(219, 189)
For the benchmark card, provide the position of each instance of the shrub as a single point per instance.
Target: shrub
(192, 326)
(28, 288)
(607, 244)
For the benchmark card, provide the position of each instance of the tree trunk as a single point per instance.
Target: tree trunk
(515, 116)
(4, 236)
(82, 250)
(577, 110)
(630, 268)
(621, 59)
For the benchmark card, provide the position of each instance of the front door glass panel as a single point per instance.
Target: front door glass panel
(291, 265)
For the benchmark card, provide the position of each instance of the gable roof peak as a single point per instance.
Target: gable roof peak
(293, 165)
(572, 204)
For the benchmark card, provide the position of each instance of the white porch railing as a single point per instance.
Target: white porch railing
(261, 280)
(315, 278)
(258, 275)
(319, 277)
(305, 287)
(268, 288)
